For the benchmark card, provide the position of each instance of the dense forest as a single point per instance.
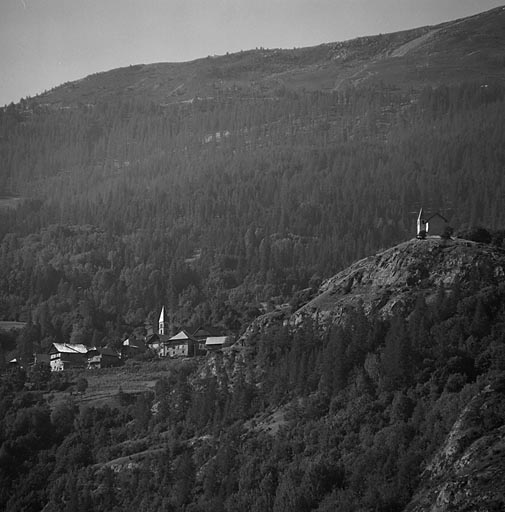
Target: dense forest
(220, 208)
(320, 418)
(231, 207)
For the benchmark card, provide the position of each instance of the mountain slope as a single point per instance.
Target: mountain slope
(467, 472)
(231, 186)
(391, 280)
(442, 301)
(375, 406)
(126, 192)
(461, 50)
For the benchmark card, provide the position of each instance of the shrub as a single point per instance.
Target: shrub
(82, 385)
(476, 234)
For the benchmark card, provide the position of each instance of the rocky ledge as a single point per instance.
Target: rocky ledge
(393, 279)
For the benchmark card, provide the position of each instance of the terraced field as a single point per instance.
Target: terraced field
(104, 384)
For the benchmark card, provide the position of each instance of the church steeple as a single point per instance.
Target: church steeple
(421, 223)
(161, 322)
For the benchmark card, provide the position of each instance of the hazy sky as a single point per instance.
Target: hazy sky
(46, 42)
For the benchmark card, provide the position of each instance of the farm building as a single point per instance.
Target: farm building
(201, 334)
(65, 356)
(213, 343)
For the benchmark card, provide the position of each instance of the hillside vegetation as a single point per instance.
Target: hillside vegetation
(271, 194)
(357, 410)
(226, 204)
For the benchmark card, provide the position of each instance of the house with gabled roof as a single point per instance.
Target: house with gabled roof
(432, 225)
(181, 344)
(67, 356)
(214, 343)
(202, 333)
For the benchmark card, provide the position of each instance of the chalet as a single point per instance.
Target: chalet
(434, 225)
(201, 335)
(103, 358)
(180, 345)
(214, 343)
(66, 356)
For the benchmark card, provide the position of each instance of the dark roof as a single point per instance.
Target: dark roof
(205, 332)
(436, 215)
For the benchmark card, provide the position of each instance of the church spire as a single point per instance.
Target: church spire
(421, 223)
(161, 321)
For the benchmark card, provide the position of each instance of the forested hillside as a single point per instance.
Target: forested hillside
(216, 206)
(363, 412)
(230, 190)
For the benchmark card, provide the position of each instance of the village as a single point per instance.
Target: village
(71, 356)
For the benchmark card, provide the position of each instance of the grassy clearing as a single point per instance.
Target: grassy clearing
(104, 384)
(7, 325)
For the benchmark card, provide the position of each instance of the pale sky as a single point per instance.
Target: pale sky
(44, 43)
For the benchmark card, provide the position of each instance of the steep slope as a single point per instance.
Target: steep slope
(460, 286)
(365, 402)
(467, 472)
(467, 49)
(390, 281)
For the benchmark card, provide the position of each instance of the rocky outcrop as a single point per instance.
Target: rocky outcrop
(467, 473)
(391, 280)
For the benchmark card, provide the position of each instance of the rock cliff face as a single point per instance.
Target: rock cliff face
(391, 280)
(468, 471)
